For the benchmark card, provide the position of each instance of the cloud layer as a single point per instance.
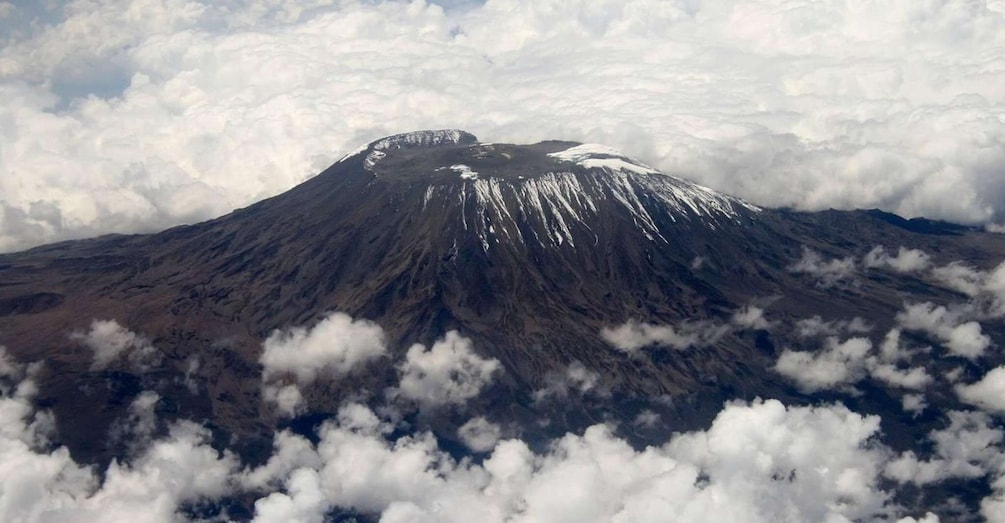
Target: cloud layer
(126, 115)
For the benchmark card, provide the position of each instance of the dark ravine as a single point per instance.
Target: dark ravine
(529, 250)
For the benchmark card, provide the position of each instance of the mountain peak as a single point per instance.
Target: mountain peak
(552, 193)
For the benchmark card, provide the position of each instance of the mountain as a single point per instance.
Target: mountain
(548, 257)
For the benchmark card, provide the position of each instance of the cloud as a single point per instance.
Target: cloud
(646, 419)
(960, 277)
(141, 422)
(331, 348)
(576, 378)
(969, 447)
(288, 399)
(633, 335)
(906, 260)
(758, 461)
(988, 393)
(480, 434)
(839, 363)
(914, 403)
(448, 373)
(962, 338)
(823, 105)
(827, 273)
(842, 363)
(39, 483)
(751, 317)
(110, 341)
(816, 326)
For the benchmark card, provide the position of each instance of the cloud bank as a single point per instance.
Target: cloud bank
(133, 115)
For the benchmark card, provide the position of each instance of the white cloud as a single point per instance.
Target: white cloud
(633, 335)
(914, 403)
(962, 338)
(816, 326)
(751, 317)
(332, 348)
(576, 378)
(110, 341)
(480, 434)
(9, 368)
(42, 485)
(988, 393)
(646, 419)
(288, 399)
(960, 277)
(449, 372)
(141, 422)
(906, 260)
(827, 273)
(915, 378)
(837, 364)
(969, 447)
(832, 104)
(758, 462)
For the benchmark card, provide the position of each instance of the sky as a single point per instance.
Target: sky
(136, 115)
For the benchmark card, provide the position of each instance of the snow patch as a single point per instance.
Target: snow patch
(466, 172)
(414, 140)
(596, 156)
(354, 152)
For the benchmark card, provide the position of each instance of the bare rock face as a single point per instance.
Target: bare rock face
(529, 250)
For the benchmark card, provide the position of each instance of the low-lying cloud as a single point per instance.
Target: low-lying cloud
(111, 341)
(448, 373)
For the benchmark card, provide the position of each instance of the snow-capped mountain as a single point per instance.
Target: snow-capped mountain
(583, 273)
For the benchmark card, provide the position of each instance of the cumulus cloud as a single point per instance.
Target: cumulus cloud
(906, 260)
(480, 434)
(646, 419)
(988, 393)
(960, 277)
(969, 447)
(816, 326)
(962, 338)
(110, 341)
(913, 403)
(633, 335)
(751, 317)
(816, 106)
(575, 379)
(37, 483)
(841, 363)
(827, 273)
(758, 461)
(141, 422)
(838, 363)
(448, 373)
(333, 347)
